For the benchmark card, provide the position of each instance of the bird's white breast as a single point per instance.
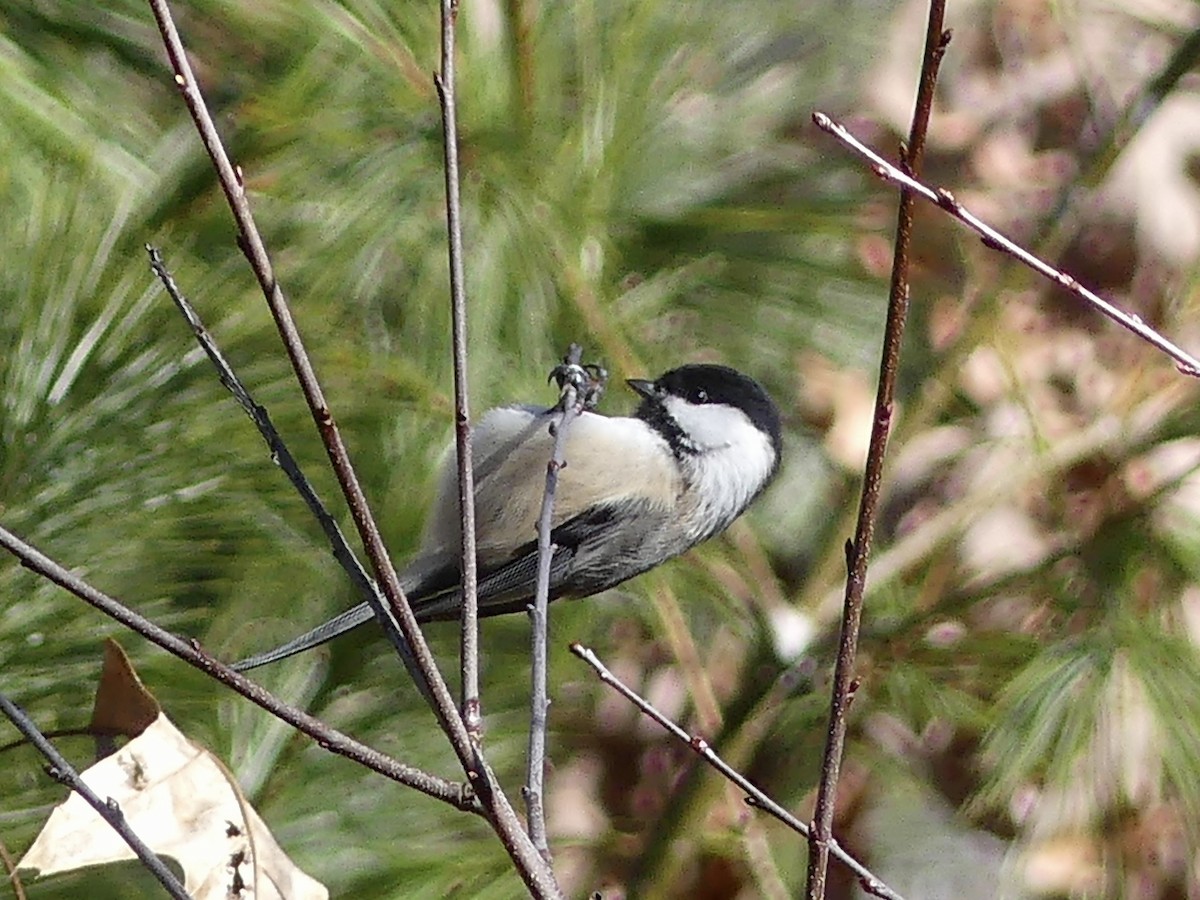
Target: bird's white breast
(607, 459)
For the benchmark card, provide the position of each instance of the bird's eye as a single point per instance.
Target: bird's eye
(701, 396)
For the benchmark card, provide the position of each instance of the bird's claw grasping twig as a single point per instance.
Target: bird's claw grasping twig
(588, 380)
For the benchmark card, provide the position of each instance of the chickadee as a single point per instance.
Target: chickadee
(636, 491)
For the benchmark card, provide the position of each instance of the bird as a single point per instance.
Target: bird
(703, 443)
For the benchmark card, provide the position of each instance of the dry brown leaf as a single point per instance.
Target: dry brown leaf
(123, 705)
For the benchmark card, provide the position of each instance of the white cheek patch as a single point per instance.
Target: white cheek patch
(711, 426)
(731, 458)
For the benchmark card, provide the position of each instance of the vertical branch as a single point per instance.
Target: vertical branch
(469, 647)
(534, 871)
(576, 392)
(530, 863)
(858, 550)
(396, 616)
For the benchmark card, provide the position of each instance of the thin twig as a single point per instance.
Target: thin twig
(1186, 362)
(534, 871)
(457, 795)
(10, 870)
(575, 383)
(282, 457)
(754, 796)
(62, 772)
(858, 551)
(469, 615)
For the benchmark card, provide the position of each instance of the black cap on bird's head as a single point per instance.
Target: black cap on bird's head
(703, 384)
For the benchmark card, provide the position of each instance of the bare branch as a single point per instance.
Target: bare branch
(754, 796)
(469, 643)
(858, 551)
(1186, 362)
(399, 618)
(457, 795)
(14, 877)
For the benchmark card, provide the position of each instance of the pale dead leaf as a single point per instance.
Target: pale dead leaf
(180, 799)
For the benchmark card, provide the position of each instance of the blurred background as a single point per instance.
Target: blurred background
(643, 178)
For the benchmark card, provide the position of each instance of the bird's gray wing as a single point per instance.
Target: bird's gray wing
(503, 589)
(593, 551)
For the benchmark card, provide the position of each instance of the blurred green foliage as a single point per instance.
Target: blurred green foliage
(640, 178)
(622, 168)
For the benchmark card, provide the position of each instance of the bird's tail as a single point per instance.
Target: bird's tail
(326, 631)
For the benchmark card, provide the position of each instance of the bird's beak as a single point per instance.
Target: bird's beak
(643, 387)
